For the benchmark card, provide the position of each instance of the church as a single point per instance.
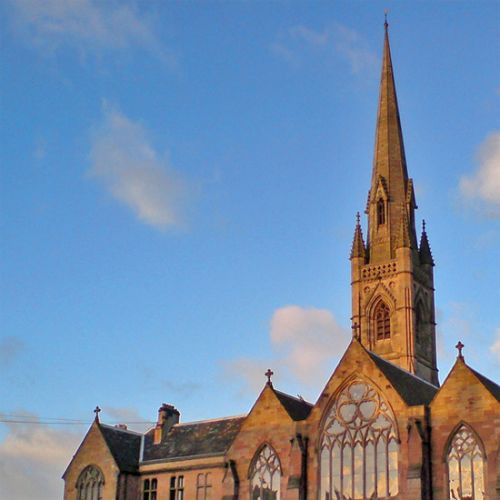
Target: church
(383, 426)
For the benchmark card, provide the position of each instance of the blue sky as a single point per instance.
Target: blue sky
(178, 190)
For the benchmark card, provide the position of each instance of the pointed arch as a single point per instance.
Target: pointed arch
(381, 212)
(358, 444)
(264, 474)
(90, 483)
(465, 459)
(381, 321)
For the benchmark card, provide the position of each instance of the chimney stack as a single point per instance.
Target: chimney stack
(168, 416)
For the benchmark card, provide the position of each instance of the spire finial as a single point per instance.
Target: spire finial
(269, 374)
(97, 411)
(386, 24)
(357, 218)
(423, 225)
(460, 346)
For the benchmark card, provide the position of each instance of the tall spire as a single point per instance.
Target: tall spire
(358, 245)
(425, 248)
(390, 186)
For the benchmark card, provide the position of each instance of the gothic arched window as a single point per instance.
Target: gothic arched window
(265, 475)
(382, 319)
(359, 446)
(89, 484)
(380, 212)
(465, 460)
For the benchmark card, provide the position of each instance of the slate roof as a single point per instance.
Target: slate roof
(298, 409)
(124, 446)
(489, 384)
(414, 390)
(189, 440)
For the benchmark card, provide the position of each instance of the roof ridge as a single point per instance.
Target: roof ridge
(404, 371)
(127, 431)
(300, 400)
(208, 420)
(485, 381)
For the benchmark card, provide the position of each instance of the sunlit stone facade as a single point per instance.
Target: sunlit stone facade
(381, 427)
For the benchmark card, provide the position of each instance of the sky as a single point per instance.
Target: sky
(178, 190)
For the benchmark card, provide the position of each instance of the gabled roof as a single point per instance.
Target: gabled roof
(414, 390)
(298, 409)
(124, 446)
(492, 387)
(195, 439)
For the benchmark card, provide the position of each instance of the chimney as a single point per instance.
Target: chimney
(122, 427)
(168, 416)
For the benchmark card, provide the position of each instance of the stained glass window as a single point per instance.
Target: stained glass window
(265, 475)
(359, 446)
(382, 321)
(465, 466)
(89, 484)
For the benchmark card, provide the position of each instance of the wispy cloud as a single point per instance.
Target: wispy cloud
(305, 342)
(334, 41)
(495, 346)
(135, 174)
(33, 458)
(87, 25)
(483, 185)
(10, 348)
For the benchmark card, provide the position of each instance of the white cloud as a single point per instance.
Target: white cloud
(495, 347)
(86, 25)
(336, 41)
(307, 338)
(305, 341)
(32, 460)
(135, 174)
(10, 348)
(484, 184)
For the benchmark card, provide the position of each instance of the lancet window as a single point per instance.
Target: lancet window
(380, 212)
(359, 446)
(265, 475)
(89, 484)
(382, 319)
(466, 466)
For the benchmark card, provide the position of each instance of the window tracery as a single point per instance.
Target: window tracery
(382, 320)
(265, 475)
(465, 461)
(359, 447)
(89, 484)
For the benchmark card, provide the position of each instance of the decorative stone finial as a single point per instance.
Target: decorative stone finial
(269, 374)
(97, 411)
(460, 346)
(386, 24)
(357, 218)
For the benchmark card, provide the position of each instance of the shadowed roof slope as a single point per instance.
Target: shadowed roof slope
(210, 437)
(124, 446)
(298, 409)
(489, 384)
(414, 390)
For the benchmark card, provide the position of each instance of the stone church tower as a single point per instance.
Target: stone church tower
(392, 276)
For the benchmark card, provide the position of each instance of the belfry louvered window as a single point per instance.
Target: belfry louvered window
(90, 484)
(265, 475)
(382, 319)
(465, 460)
(359, 446)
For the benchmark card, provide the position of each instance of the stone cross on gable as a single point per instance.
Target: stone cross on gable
(97, 411)
(269, 374)
(460, 346)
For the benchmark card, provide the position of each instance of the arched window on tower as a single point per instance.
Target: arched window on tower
(89, 484)
(265, 475)
(359, 446)
(419, 322)
(382, 321)
(466, 467)
(380, 212)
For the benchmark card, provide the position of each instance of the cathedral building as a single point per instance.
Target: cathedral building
(382, 427)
